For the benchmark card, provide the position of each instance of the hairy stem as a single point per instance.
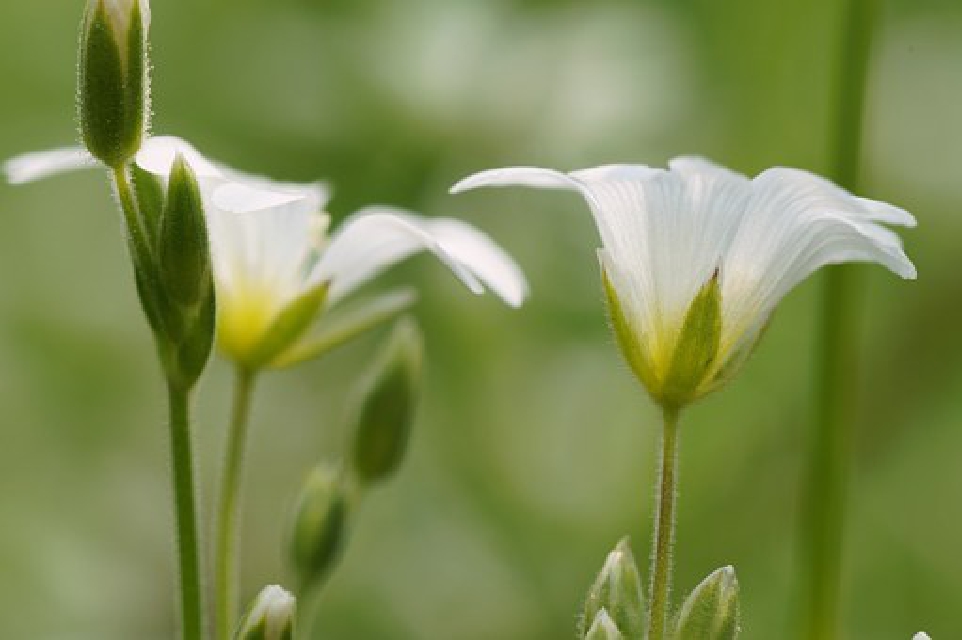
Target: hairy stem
(664, 535)
(228, 513)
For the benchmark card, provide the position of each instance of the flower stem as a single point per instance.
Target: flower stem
(229, 507)
(140, 248)
(664, 535)
(186, 513)
(837, 359)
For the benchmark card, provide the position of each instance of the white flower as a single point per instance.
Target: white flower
(921, 635)
(696, 257)
(271, 249)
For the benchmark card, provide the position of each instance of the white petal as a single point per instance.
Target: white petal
(158, 153)
(38, 165)
(375, 238)
(795, 224)
(921, 635)
(237, 197)
(664, 232)
(516, 177)
(477, 252)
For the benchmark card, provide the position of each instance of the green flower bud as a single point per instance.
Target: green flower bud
(604, 628)
(318, 525)
(182, 246)
(711, 611)
(112, 92)
(270, 617)
(386, 408)
(618, 592)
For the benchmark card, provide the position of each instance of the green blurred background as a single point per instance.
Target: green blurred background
(534, 447)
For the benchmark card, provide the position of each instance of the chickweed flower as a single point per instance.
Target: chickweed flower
(275, 264)
(112, 92)
(696, 257)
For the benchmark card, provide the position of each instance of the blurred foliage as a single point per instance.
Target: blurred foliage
(533, 451)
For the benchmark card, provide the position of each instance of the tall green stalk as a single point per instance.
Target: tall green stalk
(186, 514)
(663, 539)
(229, 507)
(836, 371)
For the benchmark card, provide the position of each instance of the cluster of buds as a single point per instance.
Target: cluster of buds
(166, 225)
(615, 606)
(380, 431)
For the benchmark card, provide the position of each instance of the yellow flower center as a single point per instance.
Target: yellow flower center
(245, 315)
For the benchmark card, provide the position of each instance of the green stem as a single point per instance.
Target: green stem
(186, 514)
(837, 360)
(664, 535)
(229, 507)
(140, 248)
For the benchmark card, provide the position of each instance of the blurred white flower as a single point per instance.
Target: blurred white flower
(271, 248)
(921, 635)
(696, 257)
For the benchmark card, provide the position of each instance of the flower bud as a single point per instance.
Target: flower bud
(270, 617)
(604, 628)
(711, 611)
(386, 408)
(112, 92)
(318, 525)
(617, 591)
(182, 246)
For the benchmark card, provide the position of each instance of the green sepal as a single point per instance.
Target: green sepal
(385, 411)
(604, 628)
(194, 351)
(102, 99)
(290, 324)
(136, 95)
(711, 611)
(339, 327)
(618, 590)
(318, 525)
(149, 190)
(182, 246)
(695, 349)
(628, 339)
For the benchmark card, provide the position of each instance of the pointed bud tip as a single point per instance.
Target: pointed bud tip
(270, 617)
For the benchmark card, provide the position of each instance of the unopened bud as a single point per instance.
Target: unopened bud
(386, 408)
(113, 84)
(618, 591)
(270, 617)
(183, 248)
(318, 525)
(711, 611)
(603, 628)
